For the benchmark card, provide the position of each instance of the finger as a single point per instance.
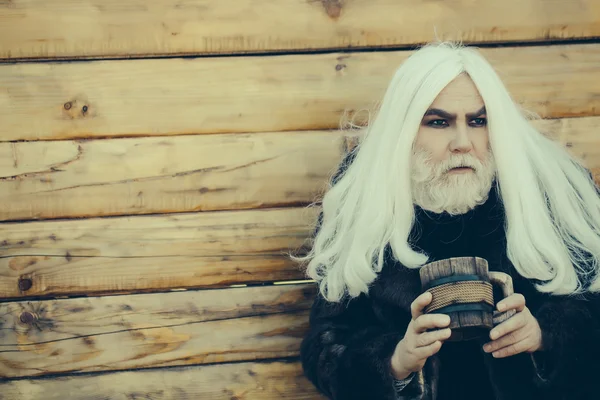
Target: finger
(505, 341)
(513, 302)
(512, 349)
(427, 338)
(515, 322)
(425, 352)
(431, 321)
(417, 306)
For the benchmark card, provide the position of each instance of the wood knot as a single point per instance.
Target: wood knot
(77, 108)
(333, 8)
(25, 284)
(27, 318)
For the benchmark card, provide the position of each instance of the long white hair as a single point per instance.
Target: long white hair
(552, 206)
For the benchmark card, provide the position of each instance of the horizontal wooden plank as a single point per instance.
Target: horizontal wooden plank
(190, 173)
(226, 233)
(93, 316)
(242, 381)
(47, 275)
(152, 330)
(109, 255)
(257, 94)
(164, 175)
(88, 28)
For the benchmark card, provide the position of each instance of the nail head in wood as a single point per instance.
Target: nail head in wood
(27, 318)
(25, 284)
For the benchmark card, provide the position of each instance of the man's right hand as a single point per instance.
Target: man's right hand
(418, 343)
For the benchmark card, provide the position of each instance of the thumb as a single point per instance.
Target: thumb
(419, 304)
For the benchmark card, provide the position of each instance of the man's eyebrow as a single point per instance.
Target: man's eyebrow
(440, 113)
(476, 114)
(447, 115)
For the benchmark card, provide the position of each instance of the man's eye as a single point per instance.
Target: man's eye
(478, 122)
(438, 123)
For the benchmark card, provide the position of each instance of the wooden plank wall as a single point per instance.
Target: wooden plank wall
(157, 158)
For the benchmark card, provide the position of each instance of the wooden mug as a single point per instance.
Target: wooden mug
(462, 288)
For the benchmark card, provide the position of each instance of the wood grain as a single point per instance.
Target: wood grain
(243, 381)
(258, 94)
(109, 255)
(95, 28)
(164, 175)
(47, 275)
(194, 173)
(142, 331)
(226, 233)
(579, 137)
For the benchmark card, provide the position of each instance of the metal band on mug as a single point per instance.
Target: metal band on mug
(450, 279)
(465, 307)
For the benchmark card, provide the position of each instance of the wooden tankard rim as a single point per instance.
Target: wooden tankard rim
(443, 260)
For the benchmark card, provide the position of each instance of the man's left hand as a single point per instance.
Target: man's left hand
(520, 333)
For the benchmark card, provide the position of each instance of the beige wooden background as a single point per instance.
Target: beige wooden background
(157, 158)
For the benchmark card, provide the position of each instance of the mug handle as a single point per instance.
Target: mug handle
(504, 281)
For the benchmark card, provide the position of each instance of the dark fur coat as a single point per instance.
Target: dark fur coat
(346, 353)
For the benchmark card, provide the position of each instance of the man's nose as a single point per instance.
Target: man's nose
(461, 143)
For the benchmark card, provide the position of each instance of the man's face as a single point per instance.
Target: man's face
(452, 166)
(455, 124)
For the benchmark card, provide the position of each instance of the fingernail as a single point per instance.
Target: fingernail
(487, 348)
(501, 306)
(495, 355)
(493, 335)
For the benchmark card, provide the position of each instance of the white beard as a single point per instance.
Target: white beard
(436, 190)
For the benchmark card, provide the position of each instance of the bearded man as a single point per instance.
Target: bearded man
(449, 168)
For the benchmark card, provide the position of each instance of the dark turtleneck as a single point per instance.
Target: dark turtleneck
(479, 232)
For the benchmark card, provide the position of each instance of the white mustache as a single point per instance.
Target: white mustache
(464, 161)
